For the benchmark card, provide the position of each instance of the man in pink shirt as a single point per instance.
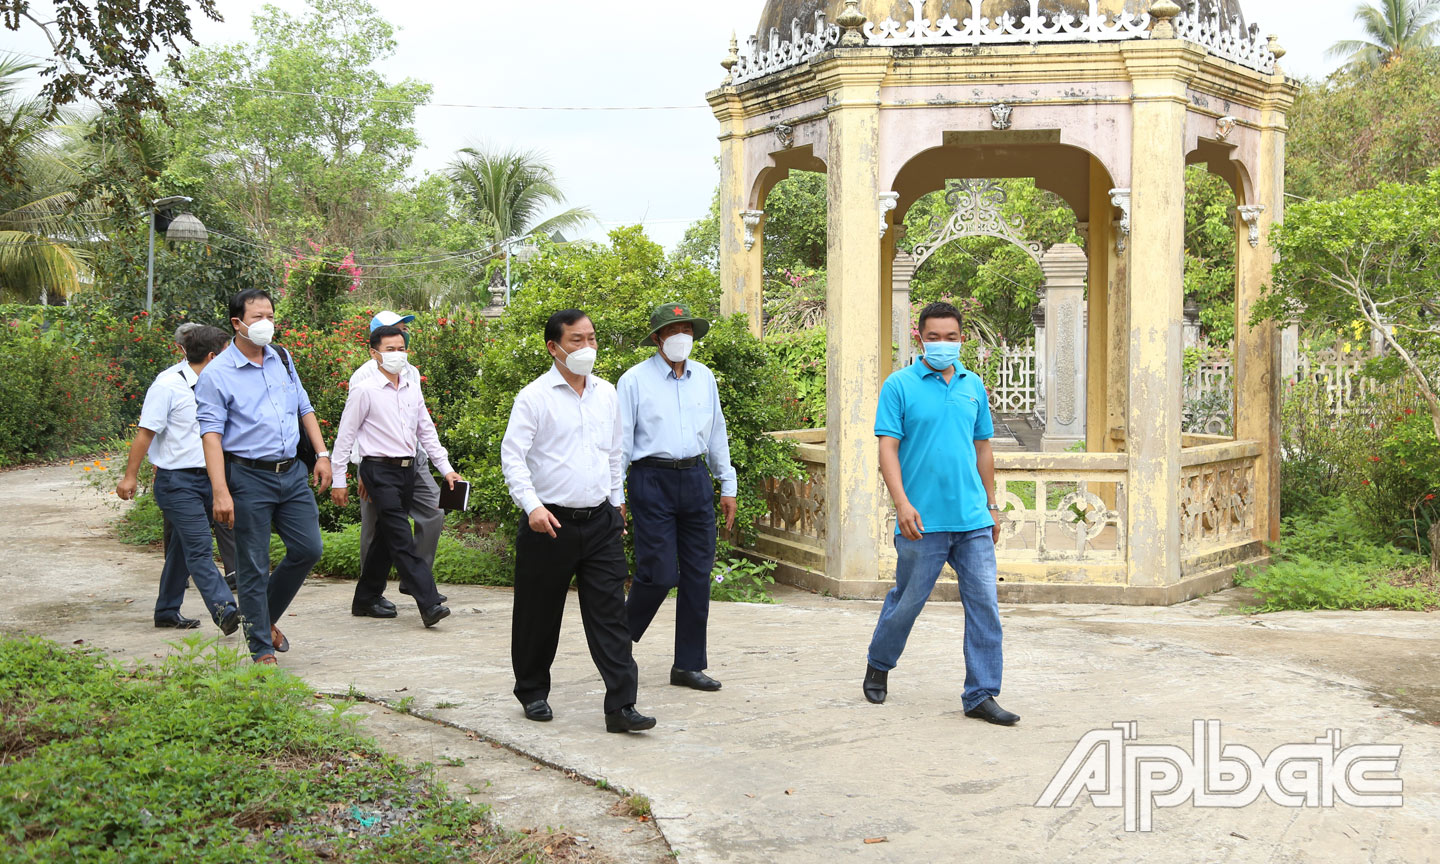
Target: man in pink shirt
(385, 419)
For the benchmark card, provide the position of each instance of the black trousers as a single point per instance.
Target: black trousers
(392, 489)
(592, 551)
(674, 512)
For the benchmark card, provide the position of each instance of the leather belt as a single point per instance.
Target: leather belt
(261, 465)
(585, 514)
(397, 461)
(197, 471)
(673, 464)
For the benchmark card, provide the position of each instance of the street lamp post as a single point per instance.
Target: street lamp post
(509, 246)
(185, 227)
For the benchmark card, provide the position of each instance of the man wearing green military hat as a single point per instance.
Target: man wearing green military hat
(675, 448)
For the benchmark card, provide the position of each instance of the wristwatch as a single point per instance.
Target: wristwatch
(995, 507)
(323, 454)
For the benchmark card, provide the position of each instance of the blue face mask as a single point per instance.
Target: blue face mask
(942, 355)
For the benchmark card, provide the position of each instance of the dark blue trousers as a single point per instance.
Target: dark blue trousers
(674, 512)
(184, 498)
(264, 499)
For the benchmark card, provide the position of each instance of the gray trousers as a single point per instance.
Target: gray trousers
(424, 509)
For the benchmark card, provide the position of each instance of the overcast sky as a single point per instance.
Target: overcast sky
(655, 167)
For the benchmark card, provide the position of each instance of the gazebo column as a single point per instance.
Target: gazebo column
(1258, 349)
(1064, 267)
(854, 506)
(742, 239)
(1160, 70)
(902, 274)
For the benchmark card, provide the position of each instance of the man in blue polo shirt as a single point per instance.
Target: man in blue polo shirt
(252, 409)
(934, 427)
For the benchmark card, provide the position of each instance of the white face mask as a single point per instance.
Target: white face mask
(677, 347)
(394, 362)
(261, 333)
(581, 362)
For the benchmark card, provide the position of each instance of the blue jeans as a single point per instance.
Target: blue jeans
(184, 497)
(972, 554)
(263, 499)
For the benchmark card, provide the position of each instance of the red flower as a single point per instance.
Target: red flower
(1374, 458)
(1430, 497)
(1364, 482)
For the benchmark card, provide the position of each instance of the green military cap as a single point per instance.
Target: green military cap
(676, 313)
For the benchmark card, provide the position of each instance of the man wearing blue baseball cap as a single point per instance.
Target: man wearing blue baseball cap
(369, 600)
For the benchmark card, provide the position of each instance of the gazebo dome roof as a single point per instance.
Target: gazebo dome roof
(792, 31)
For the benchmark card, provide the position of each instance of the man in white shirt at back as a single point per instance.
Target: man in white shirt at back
(424, 510)
(169, 432)
(562, 457)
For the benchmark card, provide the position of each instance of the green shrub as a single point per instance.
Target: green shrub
(1321, 451)
(619, 285)
(455, 562)
(802, 356)
(56, 398)
(740, 580)
(1399, 489)
(1330, 558)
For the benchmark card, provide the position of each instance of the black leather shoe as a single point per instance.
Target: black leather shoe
(384, 602)
(993, 713)
(177, 621)
(539, 711)
(627, 719)
(876, 684)
(693, 680)
(406, 592)
(372, 609)
(230, 621)
(432, 616)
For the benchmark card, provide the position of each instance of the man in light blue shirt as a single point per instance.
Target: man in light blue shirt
(251, 407)
(934, 427)
(675, 446)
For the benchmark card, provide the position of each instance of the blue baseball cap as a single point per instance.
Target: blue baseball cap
(387, 318)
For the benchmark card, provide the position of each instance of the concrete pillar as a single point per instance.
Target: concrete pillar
(1037, 317)
(742, 277)
(1160, 70)
(854, 308)
(902, 274)
(1257, 349)
(1064, 267)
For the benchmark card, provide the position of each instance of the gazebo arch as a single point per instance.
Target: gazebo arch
(1106, 103)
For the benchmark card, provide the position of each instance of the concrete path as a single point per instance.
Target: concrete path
(789, 763)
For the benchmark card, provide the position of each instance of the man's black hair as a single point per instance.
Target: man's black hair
(243, 298)
(939, 309)
(380, 333)
(201, 341)
(555, 327)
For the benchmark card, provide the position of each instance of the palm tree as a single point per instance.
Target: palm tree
(507, 191)
(1393, 28)
(43, 225)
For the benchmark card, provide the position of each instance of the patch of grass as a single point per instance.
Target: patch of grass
(446, 704)
(404, 706)
(206, 758)
(638, 806)
(1329, 559)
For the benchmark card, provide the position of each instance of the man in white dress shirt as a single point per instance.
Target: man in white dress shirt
(562, 461)
(424, 510)
(675, 449)
(169, 432)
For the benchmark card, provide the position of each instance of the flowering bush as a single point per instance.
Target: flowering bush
(1399, 472)
(317, 283)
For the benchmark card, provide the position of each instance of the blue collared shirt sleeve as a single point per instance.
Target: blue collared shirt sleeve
(628, 392)
(210, 408)
(718, 454)
(890, 412)
(984, 423)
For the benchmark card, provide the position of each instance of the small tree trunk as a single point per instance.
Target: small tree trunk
(1435, 548)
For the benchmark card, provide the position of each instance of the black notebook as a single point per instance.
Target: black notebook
(457, 498)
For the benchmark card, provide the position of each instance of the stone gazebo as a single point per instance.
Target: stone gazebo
(1104, 103)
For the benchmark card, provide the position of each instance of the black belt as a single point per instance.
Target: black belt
(673, 464)
(199, 471)
(261, 465)
(397, 461)
(570, 514)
